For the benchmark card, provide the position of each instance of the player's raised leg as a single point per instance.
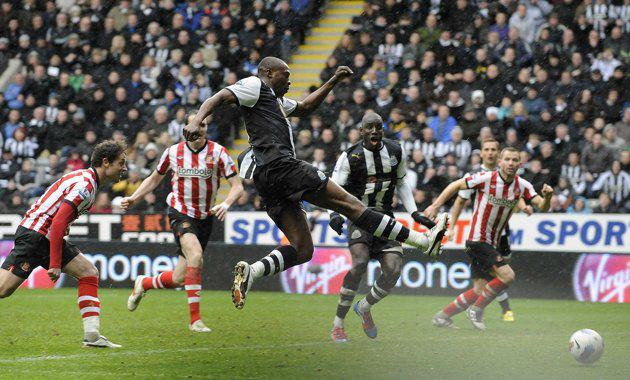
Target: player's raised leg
(504, 277)
(89, 304)
(292, 222)
(459, 304)
(165, 280)
(391, 263)
(335, 198)
(360, 258)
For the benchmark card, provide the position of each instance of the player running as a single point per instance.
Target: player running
(197, 167)
(497, 193)
(489, 158)
(283, 181)
(39, 239)
(371, 171)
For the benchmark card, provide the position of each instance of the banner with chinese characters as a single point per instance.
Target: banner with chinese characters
(149, 228)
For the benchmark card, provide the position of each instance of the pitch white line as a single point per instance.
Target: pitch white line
(122, 352)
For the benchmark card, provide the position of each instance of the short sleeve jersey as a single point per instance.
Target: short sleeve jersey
(270, 133)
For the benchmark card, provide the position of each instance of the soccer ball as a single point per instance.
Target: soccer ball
(586, 346)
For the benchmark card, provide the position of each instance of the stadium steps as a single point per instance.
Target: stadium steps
(310, 58)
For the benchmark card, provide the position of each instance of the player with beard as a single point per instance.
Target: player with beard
(489, 158)
(372, 171)
(497, 192)
(284, 181)
(197, 166)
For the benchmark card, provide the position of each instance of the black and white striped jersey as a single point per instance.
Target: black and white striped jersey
(617, 186)
(265, 115)
(372, 176)
(576, 177)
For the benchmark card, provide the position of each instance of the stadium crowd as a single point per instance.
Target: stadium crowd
(544, 76)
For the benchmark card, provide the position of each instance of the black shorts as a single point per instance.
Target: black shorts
(31, 250)
(504, 243)
(504, 246)
(283, 182)
(483, 257)
(377, 246)
(181, 224)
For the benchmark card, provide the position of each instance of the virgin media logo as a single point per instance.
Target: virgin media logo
(602, 278)
(323, 274)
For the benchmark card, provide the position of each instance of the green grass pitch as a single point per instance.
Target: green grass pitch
(287, 336)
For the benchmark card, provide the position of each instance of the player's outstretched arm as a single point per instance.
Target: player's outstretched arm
(543, 203)
(236, 188)
(191, 130)
(340, 177)
(447, 194)
(403, 190)
(456, 211)
(522, 206)
(148, 185)
(311, 102)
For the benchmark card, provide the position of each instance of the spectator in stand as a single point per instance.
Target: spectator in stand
(442, 124)
(457, 146)
(102, 204)
(616, 183)
(605, 205)
(558, 74)
(304, 148)
(596, 158)
(606, 64)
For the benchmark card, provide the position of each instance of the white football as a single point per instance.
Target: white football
(586, 346)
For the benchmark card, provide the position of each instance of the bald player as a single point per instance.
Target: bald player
(372, 170)
(284, 181)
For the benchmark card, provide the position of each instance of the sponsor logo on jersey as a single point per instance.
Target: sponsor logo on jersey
(84, 193)
(194, 172)
(602, 278)
(503, 202)
(321, 175)
(393, 161)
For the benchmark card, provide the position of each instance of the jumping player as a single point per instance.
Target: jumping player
(371, 170)
(489, 158)
(497, 193)
(39, 239)
(283, 181)
(197, 167)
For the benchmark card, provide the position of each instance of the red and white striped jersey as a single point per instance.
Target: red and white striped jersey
(77, 188)
(494, 204)
(196, 176)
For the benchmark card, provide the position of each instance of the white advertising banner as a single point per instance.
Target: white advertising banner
(584, 233)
